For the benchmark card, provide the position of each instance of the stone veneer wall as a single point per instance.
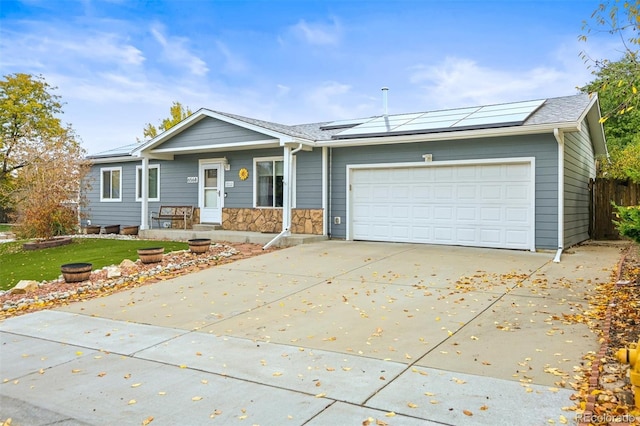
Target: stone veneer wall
(303, 221)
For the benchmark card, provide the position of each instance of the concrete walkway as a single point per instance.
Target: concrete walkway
(330, 333)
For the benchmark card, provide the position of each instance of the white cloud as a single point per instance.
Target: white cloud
(461, 81)
(318, 33)
(59, 46)
(232, 62)
(333, 100)
(176, 51)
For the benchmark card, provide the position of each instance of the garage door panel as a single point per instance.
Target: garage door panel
(486, 205)
(466, 213)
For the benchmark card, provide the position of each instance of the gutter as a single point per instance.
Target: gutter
(559, 135)
(286, 220)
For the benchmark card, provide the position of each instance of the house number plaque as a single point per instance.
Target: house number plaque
(192, 179)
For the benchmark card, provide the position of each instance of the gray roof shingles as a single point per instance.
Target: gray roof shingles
(566, 109)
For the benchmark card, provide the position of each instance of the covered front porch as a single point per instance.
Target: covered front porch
(206, 231)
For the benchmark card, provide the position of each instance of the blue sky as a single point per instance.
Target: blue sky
(119, 64)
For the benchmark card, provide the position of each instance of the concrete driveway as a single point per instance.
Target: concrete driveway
(321, 334)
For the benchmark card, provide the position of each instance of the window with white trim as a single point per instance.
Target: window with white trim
(154, 182)
(268, 181)
(111, 184)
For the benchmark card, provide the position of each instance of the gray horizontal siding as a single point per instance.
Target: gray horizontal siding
(542, 147)
(579, 167)
(210, 131)
(174, 189)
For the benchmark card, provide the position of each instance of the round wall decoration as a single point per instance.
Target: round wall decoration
(243, 174)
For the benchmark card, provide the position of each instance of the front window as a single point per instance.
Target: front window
(154, 183)
(111, 184)
(269, 178)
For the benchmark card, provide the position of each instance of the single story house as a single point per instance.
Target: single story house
(511, 175)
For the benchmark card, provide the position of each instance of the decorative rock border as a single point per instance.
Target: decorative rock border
(114, 282)
(594, 377)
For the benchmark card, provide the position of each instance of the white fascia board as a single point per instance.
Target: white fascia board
(464, 134)
(218, 147)
(106, 160)
(203, 113)
(596, 129)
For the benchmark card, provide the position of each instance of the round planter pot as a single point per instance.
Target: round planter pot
(151, 254)
(130, 230)
(199, 245)
(76, 272)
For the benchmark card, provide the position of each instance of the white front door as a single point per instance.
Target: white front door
(210, 194)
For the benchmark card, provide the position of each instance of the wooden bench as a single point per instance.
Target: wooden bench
(173, 213)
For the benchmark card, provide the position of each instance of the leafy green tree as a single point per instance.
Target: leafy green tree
(617, 82)
(622, 124)
(42, 162)
(177, 114)
(620, 18)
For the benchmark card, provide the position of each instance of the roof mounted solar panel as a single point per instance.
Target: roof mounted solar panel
(501, 115)
(343, 124)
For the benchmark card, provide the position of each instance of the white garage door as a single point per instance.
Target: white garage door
(480, 205)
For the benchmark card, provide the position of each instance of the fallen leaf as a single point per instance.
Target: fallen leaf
(390, 414)
(467, 413)
(146, 421)
(321, 395)
(76, 370)
(196, 398)
(135, 385)
(277, 374)
(132, 401)
(412, 405)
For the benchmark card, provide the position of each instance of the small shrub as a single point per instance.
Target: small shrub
(628, 222)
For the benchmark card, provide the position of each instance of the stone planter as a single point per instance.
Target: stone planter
(151, 254)
(92, 229)
(76, 272)
(199, 245)
(112, 229)
(130, 230)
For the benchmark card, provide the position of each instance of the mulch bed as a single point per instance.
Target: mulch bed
(606, 396)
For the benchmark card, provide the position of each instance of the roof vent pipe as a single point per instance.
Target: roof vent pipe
(385, 107)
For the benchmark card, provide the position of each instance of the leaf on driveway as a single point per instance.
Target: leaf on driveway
(146, 421)
(196, 398)
(412, 405)
(467, 413)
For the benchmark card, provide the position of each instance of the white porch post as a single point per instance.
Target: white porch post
(286, 190)
(144, 187)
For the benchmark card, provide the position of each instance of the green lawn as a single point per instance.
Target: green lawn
(17, 264)
(5, 227)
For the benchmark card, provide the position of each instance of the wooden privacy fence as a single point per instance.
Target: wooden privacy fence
(603, 193)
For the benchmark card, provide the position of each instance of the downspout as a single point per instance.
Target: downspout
(288, 195)
(144, 188)
(559, 135)
(330, 189)
(325, 212)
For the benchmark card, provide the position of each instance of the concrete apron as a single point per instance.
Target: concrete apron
(328, 333)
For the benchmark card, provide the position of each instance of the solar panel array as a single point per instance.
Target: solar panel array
(490, 116)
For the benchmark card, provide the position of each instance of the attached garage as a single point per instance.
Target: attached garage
(487, 203)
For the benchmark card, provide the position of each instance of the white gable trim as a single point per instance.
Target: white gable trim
(202, 113)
